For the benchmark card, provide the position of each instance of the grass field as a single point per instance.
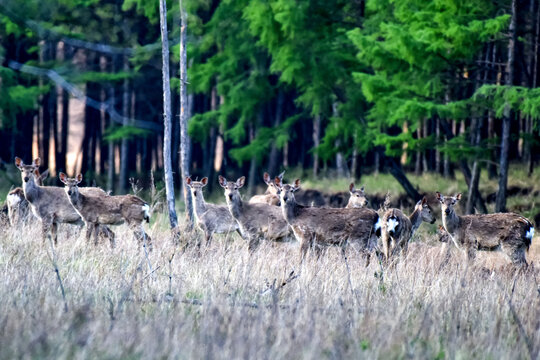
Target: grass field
(222, 303)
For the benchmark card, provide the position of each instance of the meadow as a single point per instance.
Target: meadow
(220, 302)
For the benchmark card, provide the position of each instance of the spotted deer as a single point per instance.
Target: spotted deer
(507, 232)
(270, 196)
(397, 228)
(256, 221)
(102, 209)
(358, 197)
(17, 205)
(320, 227)
(211, 219)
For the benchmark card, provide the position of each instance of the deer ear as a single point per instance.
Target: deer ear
(79, 178)
(440, 197)
(458, 197)
(424, 201)
(18, 162)
(362, 189)
(188, 180)
(280, 176)
(44, 175)
(37, 162)
(296, 185)
(62, 177)
(204, 181)
(277, 181)
(351, 187)
(222, 181)
(240, 182)
(266, 178)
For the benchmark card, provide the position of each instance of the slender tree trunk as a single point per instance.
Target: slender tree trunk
(124, 145)
(500, 202)
(316, 138)
(169, 186)
(403, 159)
(438, 167)
(399, 175)
(341, 164)
(274, 154)
(185, 145)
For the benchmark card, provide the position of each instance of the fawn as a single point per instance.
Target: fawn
(102, 209)
(508, 232)
(211, 219)
(256, 221)
(358, 197)
(270, 196)
(315, 227)
(398, 229)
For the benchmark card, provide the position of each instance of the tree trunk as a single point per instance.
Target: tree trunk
(169, 186)
(399, 175)
(500, 202)
(124, 145)
(185, 145)
(316, 137)
(438, 167)
(274, 154)
(341, 164)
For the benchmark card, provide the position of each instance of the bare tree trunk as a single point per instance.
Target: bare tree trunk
(124, 145)
(399, 175)
(534, 74)
(316, 138)
(341, 164)
(500, 202)
(185, 145)
(273, 159)
(403, 159)
(438, 167)
(169, 186)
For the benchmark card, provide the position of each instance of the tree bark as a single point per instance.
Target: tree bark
(316, 137)
(500, 202)
(169, 186)
(185, 145)
(278, 118)
(124, 145)
(399, 175)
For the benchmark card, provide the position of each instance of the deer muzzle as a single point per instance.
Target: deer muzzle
(447, 211)
(26, 178)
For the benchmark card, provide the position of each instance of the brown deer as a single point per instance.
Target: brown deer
(317, 227)
(102, 209)
(507, 232)
(48, 203)
(358, 197)
(397, 228)
(17, 205)
(270, 196)
(211, 219)
(256, 221)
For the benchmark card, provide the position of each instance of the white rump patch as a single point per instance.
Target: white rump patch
(378, 224)
(13, 200)
(392, 224)
(530, 233)
(146, 210)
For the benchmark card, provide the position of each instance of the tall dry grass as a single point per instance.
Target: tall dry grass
(222, 303)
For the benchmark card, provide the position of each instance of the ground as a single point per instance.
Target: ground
(221, 302)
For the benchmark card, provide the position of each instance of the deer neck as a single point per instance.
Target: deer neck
(289, 210)
(416, 220)
(75, 199)
(236, 207)
(200, 204)
(451, 222)
(31, 190)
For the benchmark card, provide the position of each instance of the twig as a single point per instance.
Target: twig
(58, 277)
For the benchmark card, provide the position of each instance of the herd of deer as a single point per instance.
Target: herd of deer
(274, 216)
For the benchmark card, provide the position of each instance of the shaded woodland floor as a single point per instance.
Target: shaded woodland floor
(221, 303)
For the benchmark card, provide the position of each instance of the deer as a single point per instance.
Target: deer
(256, 221)
(397, 228)
(358, 197)
(17, 206)
(98, 209)
(270, 196)
(320, 227)
(211, 219)
(507, 232)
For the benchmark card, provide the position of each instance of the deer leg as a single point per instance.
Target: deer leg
(111, 235)
(97, 230)
(304, 246)
(45, 228)
(54, 232)
(516, 255)
(253, 243)
(386, 245)
(89, 229)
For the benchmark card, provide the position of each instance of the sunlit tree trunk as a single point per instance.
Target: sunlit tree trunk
(169, 186)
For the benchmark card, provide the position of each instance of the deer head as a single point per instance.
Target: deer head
(196, 186)
(448, 203)
(286, 191)
(358, 197)
(28, 172)
(71, 184)
(272, 188)
(443, 234)
(232, 195)
(425, 211)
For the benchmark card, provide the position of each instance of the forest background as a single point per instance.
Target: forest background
(334, 89)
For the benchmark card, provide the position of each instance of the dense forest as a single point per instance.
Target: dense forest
(338, 87)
